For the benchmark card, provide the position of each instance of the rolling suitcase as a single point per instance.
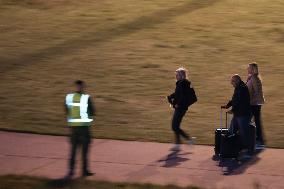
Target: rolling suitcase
(218, 134)
(226, 145)
(229, 146)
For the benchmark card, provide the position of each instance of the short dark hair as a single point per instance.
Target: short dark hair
(79, 82)
(237, 76)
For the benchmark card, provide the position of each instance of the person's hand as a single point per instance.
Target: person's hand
(169, 99)
(230, 112)
(176, 106)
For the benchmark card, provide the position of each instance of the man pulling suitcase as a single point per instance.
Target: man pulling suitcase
(240, 104)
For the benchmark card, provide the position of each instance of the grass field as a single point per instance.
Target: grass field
(25, 182)
(127, 52)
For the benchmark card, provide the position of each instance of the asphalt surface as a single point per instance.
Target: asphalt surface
(141, 162)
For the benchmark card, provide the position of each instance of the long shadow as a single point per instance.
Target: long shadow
(171, 160)
(60, 183)
(237, 167)
(95, 39)
(174, 159)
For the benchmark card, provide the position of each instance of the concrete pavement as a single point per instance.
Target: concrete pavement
(142, 162)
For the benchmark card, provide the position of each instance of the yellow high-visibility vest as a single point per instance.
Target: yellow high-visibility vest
(78, 110)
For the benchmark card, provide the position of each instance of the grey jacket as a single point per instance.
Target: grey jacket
(254, 85)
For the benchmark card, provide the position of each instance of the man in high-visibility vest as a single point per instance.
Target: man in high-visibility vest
(80, 112)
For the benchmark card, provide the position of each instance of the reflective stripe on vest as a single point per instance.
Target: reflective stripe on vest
(83, 108)
(79, 120)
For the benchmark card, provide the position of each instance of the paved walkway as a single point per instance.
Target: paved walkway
(144, 162)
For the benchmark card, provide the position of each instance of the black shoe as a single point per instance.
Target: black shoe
(69, 176)
(87, 174)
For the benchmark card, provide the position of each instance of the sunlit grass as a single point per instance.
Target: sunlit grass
(127, 52)
(25, 182)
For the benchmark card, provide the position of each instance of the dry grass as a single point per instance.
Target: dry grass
(25, 182)
(127, 52)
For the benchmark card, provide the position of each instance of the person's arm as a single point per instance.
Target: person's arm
(229, 104)
(178, 94)
(237, 97)
(65, 108)
(257, 87)
(91, 107)
(66, 112)
(250, 85)
(171, 98)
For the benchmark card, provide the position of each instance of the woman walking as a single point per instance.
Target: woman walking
(254, 84)
(181, 99)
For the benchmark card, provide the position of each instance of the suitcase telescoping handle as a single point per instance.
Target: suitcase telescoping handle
(221, 119)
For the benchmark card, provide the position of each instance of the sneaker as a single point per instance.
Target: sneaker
(69, 176)
(87, 174)
(191, 141)
(245, 157)
(259, 147)
(176, 147)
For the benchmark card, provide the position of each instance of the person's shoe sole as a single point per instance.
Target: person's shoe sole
(88, 174)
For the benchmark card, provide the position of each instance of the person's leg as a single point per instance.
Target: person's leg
(243, 125)
(177, 118)
(233, 126)
(256, 110)
(85, 151)
(182, 133)
(175, 123)
(74, 145)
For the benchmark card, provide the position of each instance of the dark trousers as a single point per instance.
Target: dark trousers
(241, 124)
(80, 136)
(176, 121)
(256, 113)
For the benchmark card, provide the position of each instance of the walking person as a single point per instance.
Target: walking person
(80, 112)
(181, 99)
(240, 104)
(254, 84)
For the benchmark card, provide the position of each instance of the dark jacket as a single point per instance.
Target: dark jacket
(179, 96)
(240, 102)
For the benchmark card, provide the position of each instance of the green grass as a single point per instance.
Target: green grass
(26, 182)
(127, 52)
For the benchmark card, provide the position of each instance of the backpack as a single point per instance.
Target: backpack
(191, 96)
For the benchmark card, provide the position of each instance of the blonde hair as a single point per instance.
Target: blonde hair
(182, 72)
(255, 71)
(254, 67)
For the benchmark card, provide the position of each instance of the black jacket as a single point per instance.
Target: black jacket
(240, 102)
(179, 96)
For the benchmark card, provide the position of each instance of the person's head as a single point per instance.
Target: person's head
(235, 80)
(181, 73)
(253, 68)
(80, 85)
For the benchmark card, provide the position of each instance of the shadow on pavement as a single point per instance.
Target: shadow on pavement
(60, 183)
(174, 158)
(236, 166)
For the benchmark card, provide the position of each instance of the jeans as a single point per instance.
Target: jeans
(176, 121)
(256, 113)
(241, 124)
